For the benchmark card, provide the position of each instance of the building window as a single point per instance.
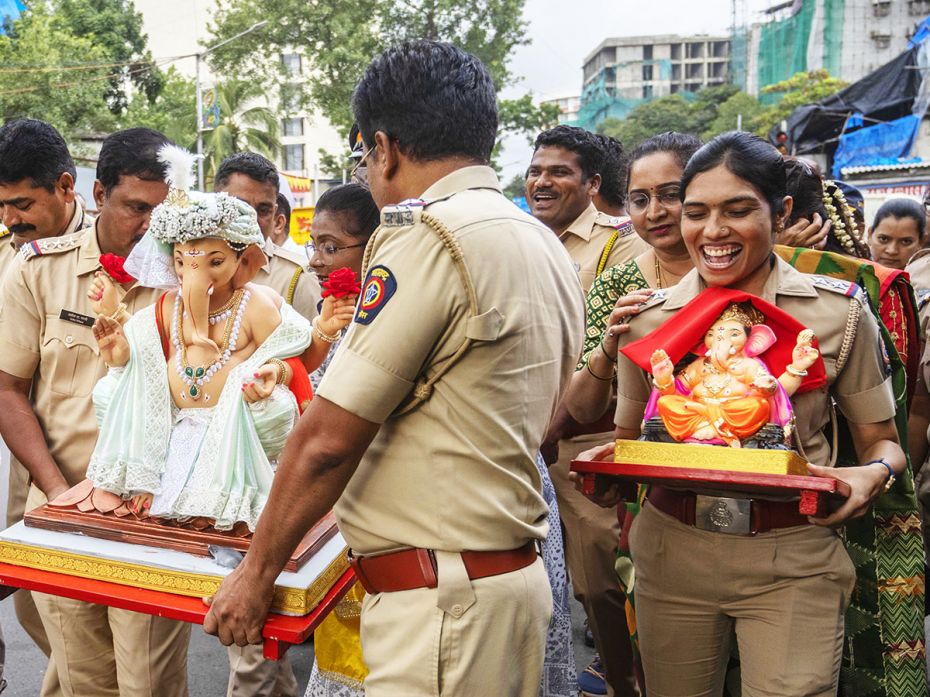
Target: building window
(647, 53)
(291, 63)
(881, 8)
(918, 8)
(293, 126)
(290, 99)
(647, 91)
(294, 157)
(676, 52)
(647, 73)
(881, 40)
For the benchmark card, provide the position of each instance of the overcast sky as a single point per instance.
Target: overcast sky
(562, 34)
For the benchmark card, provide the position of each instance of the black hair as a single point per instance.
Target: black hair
(613, 170)
(433, 99)
(805, 186)
(586, 145)
(681, 146)
(34, 150)
(355, 204)
(903, 208)
(252, 165)
(748, 157)
(133, 152)
(284, 208)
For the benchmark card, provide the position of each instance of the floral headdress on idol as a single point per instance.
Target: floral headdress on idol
(188, 215)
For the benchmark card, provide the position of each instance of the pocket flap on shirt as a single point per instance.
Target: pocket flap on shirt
(485, 327)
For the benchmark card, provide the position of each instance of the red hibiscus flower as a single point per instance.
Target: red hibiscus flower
(113, 265)
(341, 283)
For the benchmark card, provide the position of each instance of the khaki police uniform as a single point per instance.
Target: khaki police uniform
(918, 268)
(287, 273)
(45, 336)
(18, 487)
(250, 673)
(595, 242)
(787, 588)
(455, 469)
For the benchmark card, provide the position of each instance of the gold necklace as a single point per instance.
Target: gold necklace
(229, 303)
(658, 271)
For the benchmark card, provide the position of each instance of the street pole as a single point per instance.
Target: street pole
(199, 57)
(199, 126)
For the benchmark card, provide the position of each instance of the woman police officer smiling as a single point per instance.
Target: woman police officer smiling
(784, 590)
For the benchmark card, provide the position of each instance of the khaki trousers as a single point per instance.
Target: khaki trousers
(591, 537)
(106, 652)
(463, 639)
(252, 675)
(23, 604)
(783, 593)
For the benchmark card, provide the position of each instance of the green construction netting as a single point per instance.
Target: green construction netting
(739, 58)
(833, 35)
(783, 47)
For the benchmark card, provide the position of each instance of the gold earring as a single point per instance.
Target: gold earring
(779, 226)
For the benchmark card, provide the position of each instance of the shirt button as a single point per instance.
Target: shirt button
(69, 339)
(457, 611)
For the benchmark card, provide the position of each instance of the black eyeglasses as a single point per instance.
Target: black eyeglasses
(327, 251)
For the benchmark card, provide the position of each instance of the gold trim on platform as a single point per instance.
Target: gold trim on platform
(290, 601)
(709, 457)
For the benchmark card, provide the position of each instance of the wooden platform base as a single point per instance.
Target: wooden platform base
(812, 491)
(164, 534)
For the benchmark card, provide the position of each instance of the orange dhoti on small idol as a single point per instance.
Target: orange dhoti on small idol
(740, 418)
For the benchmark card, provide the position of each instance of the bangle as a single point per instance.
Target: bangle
(891, 477)
(284, 371)
(662, 387)
(328, 338)
(612, 359)
(794, 371)
(595, 375)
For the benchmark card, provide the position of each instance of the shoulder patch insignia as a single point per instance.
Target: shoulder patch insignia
(52, 245)
(378, 288)
(4, 231)
(625, 228)
(837, 285)
(923, 296)
(658, 297)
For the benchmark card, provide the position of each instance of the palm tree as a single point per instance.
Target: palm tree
(246, 123)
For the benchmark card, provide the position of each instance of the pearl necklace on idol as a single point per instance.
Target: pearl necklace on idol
(197, 377)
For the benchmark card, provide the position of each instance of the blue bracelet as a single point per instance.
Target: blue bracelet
(881, 461)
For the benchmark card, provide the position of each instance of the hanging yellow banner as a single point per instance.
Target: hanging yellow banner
(301, 224)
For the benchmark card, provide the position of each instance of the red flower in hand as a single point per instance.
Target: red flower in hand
(113, 265)
(341, 283)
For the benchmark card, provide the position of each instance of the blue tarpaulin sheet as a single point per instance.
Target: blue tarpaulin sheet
(881, 144)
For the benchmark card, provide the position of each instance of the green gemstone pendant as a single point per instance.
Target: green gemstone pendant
(199, 372)
(189, 372)
(194, 392)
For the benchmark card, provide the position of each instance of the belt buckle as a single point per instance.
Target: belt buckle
(722, 514)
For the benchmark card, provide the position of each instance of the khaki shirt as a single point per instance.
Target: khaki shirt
(587, 238)
(7, 251)
(457, 472)
(286, 273)
(860, 385)
(44, 336)
(919, 270)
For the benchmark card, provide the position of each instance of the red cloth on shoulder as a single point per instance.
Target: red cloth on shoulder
(686, 328)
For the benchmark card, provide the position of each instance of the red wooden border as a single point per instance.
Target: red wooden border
(280, 631)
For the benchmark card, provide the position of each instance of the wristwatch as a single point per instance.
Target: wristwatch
(891, 478)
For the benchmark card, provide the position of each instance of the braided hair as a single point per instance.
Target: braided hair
(844, 234)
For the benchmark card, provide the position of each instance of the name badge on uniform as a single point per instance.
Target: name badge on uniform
(76, 317)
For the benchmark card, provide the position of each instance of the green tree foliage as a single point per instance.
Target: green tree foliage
(115, 26)
(798, 90)
(47, 72)
(173, 112)
(340, 38)
(729, 113)
(515, 187)
(245, 124)
(671, 113)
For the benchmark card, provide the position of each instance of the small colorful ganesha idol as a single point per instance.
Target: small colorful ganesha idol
(731, 393)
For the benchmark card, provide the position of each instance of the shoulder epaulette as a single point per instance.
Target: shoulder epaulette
(620, 223)
(290, 255)
(52, 245)
(4, 231)
(837, 285)
(403, 214)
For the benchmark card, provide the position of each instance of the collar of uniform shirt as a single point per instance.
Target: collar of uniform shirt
(473, 177)
(783, 280)
(89, 260)
(583, 226)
